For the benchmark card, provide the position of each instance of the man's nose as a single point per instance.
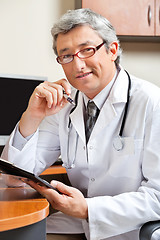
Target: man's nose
(78, 63)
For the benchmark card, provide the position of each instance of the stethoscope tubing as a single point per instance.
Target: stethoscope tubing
(127, 104)
(118, 142)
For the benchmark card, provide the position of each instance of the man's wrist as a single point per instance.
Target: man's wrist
(28, 125)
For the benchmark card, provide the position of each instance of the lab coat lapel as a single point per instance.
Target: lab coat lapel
(77, 119)
(107, 114)
(117, 95)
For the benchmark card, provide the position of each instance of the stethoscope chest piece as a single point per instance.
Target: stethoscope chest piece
(118, 143)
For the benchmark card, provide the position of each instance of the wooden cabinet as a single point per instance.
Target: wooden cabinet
(129, 17)
(157, 21)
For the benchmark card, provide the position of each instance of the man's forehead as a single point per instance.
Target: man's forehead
(79, 36)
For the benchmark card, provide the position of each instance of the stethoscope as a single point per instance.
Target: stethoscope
(118, 142)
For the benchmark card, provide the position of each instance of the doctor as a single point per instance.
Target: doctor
(115, 179)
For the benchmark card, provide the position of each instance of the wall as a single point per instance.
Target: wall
(142, 60)
(26, 42)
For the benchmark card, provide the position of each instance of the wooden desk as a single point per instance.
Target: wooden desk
(55, 169)
(23, 213)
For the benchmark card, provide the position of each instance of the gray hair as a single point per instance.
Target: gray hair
(85, 16)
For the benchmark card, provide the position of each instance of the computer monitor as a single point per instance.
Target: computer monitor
(15, 91)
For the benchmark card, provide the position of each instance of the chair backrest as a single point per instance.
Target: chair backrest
(148, 229)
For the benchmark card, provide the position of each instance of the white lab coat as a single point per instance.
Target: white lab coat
(122, 188)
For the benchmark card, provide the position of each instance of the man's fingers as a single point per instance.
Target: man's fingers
(64, 189)
(65, 85)
(53, 92)
(42, 92)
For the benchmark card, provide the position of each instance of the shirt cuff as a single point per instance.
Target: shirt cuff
(18, 140)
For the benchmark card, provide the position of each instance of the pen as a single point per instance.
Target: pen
(69, 99)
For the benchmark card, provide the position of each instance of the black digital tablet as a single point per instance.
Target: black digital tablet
(9, 168)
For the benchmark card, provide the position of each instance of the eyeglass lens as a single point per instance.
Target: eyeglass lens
(82, 54)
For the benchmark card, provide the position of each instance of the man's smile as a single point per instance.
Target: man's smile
(82, 75)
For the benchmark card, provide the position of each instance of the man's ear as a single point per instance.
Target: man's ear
(113, 50)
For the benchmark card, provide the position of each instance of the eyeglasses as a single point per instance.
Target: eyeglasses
(82, 54)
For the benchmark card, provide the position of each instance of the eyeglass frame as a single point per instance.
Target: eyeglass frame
(95, 49)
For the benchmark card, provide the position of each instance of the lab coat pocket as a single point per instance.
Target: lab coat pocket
(126, 163)
(130, 146)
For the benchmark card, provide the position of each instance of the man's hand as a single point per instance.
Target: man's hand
(70, 202)
(47, 99)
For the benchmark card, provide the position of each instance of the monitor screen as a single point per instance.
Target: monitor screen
(15, 92)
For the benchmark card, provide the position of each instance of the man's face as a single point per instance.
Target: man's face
(92, 74)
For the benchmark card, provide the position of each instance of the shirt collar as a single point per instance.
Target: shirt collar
(101, 97)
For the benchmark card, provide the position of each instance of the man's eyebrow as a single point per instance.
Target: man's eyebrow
(86, 43)
(62, 51)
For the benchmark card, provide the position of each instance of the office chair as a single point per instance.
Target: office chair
(148, 229)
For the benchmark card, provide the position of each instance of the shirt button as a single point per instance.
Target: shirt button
(92, 179)
(91, 147)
